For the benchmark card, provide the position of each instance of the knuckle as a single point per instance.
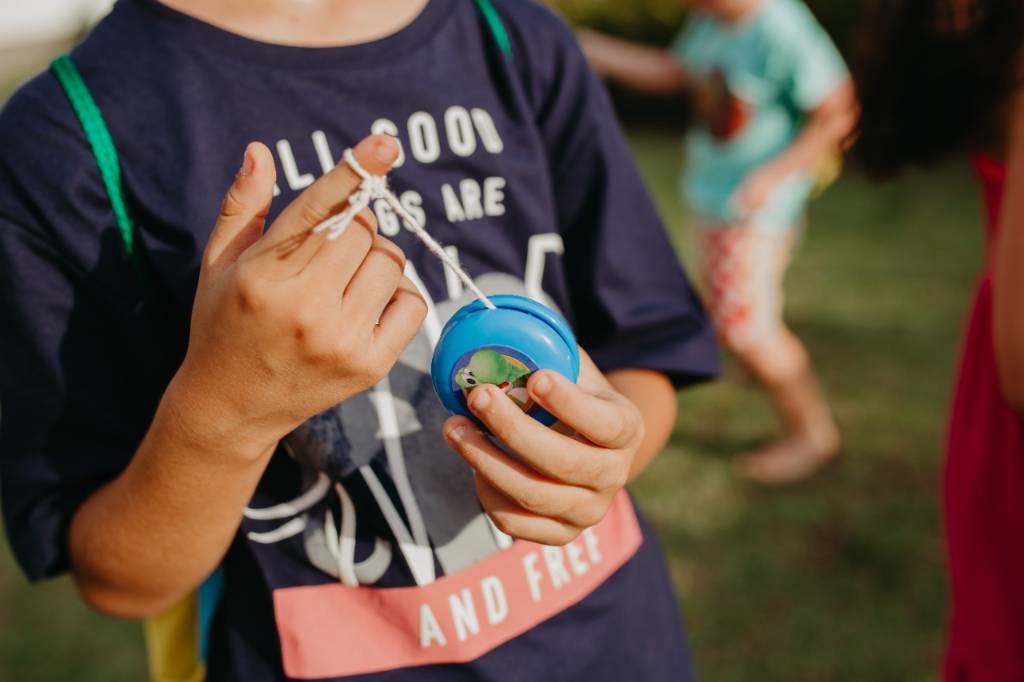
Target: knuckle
(639, 426)
(504, 522)
(416, 301)
(250, 291)
(397, 251)
(561, 390)
(351, 356)
(421, 311)
(562, 537)
(613, 477)
(566, 512)
(303, 322)
(394, 255)
(233, 203)
(344, 353)
(311, 213)
(534, 499)
(368, 219)
(620, 481)
(571, 468)
(590, 515)
(304, 326)
(618, 426)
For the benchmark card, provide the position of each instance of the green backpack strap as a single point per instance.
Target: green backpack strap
(497, 28)
(105, 153)
(191, 617)
(102, 144)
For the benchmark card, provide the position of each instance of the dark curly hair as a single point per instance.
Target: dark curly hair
(933, 76)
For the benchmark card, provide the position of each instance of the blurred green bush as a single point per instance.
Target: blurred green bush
(656, 21)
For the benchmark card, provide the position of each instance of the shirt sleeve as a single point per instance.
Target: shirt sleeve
(688, 45)
(813, 65)
(632, 302)
(75, 355)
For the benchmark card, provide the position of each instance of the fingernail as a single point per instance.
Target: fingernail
(541, 385)
(386, 151)
(480, 399)
(248, 162)
(457, 434)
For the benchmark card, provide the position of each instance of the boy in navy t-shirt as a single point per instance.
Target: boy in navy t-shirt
(272, 412)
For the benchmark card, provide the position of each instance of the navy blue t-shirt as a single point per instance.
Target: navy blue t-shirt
(364, 553)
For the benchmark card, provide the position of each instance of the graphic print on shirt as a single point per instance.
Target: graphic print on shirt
(724, 113)
(436, 495)
(387, 510)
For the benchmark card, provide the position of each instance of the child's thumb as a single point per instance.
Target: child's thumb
(244, 209)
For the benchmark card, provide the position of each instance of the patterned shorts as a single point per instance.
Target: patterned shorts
(742, 268)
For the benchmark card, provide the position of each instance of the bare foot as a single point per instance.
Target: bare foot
(795, 458)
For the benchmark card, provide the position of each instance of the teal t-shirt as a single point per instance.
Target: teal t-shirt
(757, 78)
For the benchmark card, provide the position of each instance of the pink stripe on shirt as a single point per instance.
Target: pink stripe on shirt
(335, 630)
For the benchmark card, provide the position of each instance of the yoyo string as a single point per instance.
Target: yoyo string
(376, 187)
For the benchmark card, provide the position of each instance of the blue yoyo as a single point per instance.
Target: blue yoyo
(502, 346)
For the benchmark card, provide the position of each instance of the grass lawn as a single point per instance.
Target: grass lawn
(840, 578)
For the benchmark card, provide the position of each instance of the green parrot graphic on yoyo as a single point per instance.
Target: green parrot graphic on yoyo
(501, 341)
(488, 366)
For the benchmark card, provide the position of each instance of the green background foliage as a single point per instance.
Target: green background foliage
(656, 21)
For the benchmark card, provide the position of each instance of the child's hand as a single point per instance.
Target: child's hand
(755, 190)
(561, 480)
(286, 324)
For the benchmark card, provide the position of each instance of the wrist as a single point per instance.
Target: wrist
(774, 172)
(203, 421)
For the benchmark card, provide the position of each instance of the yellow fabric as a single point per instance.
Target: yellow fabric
(826, 172)
(172, 643)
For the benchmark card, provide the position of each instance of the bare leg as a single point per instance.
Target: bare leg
(743, 271)
(811, 439)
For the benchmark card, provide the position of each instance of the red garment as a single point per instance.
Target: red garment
(984, 495)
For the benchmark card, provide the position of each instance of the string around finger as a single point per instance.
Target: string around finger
(373, 187)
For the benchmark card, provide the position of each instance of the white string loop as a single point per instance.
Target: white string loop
(375, 187)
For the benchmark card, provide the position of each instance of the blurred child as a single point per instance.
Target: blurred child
(942, 77)
(774, 100)
(261, 401)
